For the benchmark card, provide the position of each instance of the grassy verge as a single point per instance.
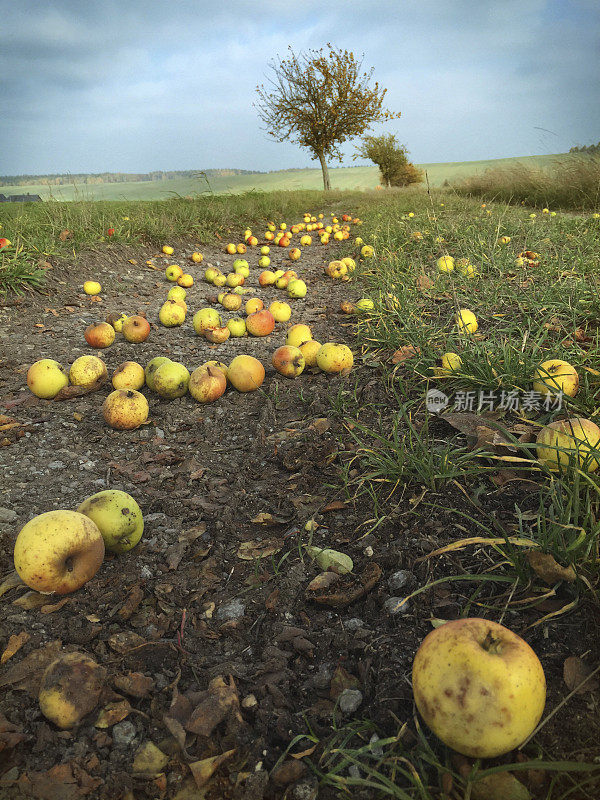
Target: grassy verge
(571, 184)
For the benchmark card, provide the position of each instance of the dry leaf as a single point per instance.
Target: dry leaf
(50, 609)
(257, 548)
(548, 569)
(125, 640)
(424, 283)
(575, 671)
(64, 235)
(69, 392)
(342, 679)
(220, 702)
(321, 425)
(10, 582)
(192, 533)
(499, 786)
(15, 643)
(404, 353)
(31, 600)
(335, 505)
(135, 684)
(10, 735)
(305, 753)
(28, 672)
(113, 713)
(149, 760)
(203, 770)
(344, 589)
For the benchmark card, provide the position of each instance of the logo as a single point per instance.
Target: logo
(436, 401)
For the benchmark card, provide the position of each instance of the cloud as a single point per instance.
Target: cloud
(156, 84)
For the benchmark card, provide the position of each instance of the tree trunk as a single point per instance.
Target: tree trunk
(326, 183)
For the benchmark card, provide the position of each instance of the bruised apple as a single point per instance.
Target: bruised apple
(334, 357)
(288, 361)
(478, 686)
(207, 384)
(125, 409)
(118, 517)
(245, 373)
(70, 688)
(136, 329)
(100, 335)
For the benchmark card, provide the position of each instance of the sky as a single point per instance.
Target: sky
(141, 85)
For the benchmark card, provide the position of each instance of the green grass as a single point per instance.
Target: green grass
(342, 179)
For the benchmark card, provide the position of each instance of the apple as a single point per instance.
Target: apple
(231, 301)
(305, 240)
(197, 258)
(171, 380)
(206, 318)
(216, 364)
(173, 272)
(237, 327)
(167, 250)
(242, 290)
(260, 323)
(186, 280)
(504, 239)
(252, 241)
(294, 253)
(87, 370)
(246, 373)
(176, 293)
(556, 376)
(298, 334)
(367, 251)
(338, 236)
(288, 361)
(465, 268)
(151, 368)
(210, 273)
(296, 288)
(269, 236)
(445, 264)
(451, 362)
(59, 551)
(100, 335)
(266, 278)
(466, 321)
(265, 250)
(4, 242)
(171, 314)
(478, 686)
(309, 350)
(278, 273)
(350, 263)
(365, 304)
(46, 378)
(230, 248)
(253, 305)
(358, 241)
(235, 279)
(217, 335)
(242, 267)
(125, 409)
(118, 517)
(263, 262)
(116, 320)
(334, 357)
(70, 688)
(92, 287)
(220, 279)
(207, 384)
(129, 375)
(136, 328)
(569, 440)
(240, 248)
(281, 311)
(283, 226)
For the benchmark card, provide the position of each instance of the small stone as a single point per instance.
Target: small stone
(350, 700)
(354, 771)
(145, 572)
(56, 465)
(354, 624)
(397, 605)
(399, 579)
(249, 702)
(123, 734)
(233, 609)
(368, 551)
(7, 515)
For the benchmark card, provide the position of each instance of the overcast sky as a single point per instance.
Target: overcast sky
(138, 85)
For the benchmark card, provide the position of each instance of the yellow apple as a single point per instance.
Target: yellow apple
(186, 280)
(334, 357)
(167, 250)
(118, 517)
(176, 293)
(197, 258)
(478, 686)
(445, 264)
(245, 373)
(451, 362)
(281, 311)
(171, 380)
(237, 327)
(46, 378)
(576, 440)
(171, 314)
(92, 287)
(298, 334)
(125, 409)
(367, 251)
(296, 288)
(151, 368)
(71, 686)
(87, 370)
(466, 321)
(129, 375)
(309, 350)
(173, 272)
(556, 376)
(58, 552)
(365, 304)
(206, 318)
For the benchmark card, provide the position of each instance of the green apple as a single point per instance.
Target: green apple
(171, 380)
(151, 368)
(264, 261)
(237, 326)
(118, 517)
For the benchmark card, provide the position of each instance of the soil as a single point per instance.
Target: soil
(190, 633)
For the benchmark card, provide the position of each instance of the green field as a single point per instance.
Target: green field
(343, 178)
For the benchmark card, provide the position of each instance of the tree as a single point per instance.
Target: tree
(391, 158)
(318, 100)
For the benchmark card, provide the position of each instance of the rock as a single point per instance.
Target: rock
(354, 624)
(399, 579)
(250, 702)
(350, 700)
(306, 789)
(354, 771)
(123, 734)
(145, 572)
(233, 609)
(7, 515)
(396, 605)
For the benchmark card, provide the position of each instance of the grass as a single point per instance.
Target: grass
(406, 461)
(568, 183)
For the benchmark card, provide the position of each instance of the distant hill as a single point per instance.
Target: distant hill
(162, 185)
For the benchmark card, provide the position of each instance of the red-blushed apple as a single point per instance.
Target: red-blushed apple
(288, 361)
(129, 375)
(266, 278)
(298, 334)
(87, 370)
(245, 373)
(58, 552)
(46, 378)
(240, 248)
(136, 329)
(261, 323)
(478, 686)
(100, 335)
(334, 357)
(207, 384)
(125, 409)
